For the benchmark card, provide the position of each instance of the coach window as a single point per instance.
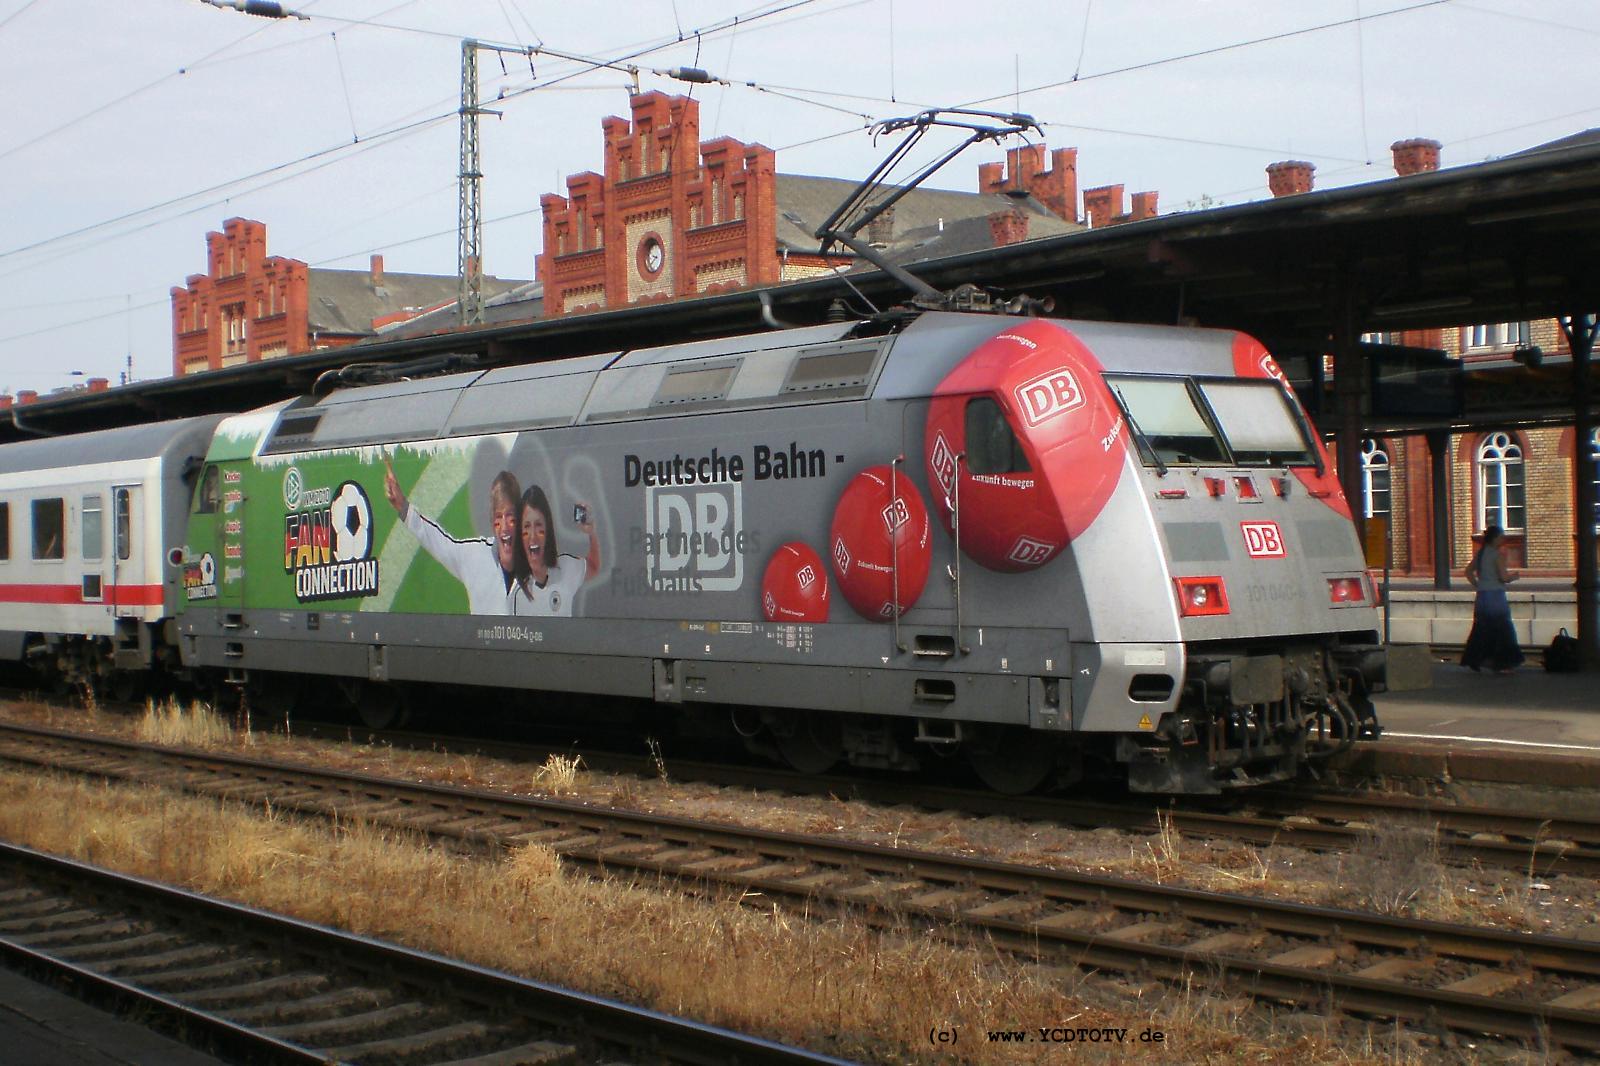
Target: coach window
(210, 494)
(5, 532)
(93, 527)
(49, 529)
(991, 446)
(124, 524)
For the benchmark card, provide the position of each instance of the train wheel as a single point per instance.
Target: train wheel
(381, 707)
(1012, 760)
(811, 742)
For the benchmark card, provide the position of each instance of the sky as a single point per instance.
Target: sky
(131, 128)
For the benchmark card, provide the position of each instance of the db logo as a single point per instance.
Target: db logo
(1270, 367)
(1031, 552)
(895, 515)
(841, 556)
(806, 575)
(1263, 540)
(770, 602)
(1047, 396)
(943, 462)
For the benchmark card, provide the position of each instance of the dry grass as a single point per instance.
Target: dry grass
(1507, 899)
(1393, 867)
(558, 774)
(177, 725)
(751, 965)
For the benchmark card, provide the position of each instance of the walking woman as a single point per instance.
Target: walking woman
(1493, 640)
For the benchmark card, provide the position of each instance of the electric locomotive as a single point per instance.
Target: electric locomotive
(1050, 547)
(1046, 545)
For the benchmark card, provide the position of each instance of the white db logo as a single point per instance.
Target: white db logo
(1048, 395)
(1030, 552)
(1263, 540)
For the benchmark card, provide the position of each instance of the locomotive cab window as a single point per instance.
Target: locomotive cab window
(992, 448)
(5, 532)
(208, 496)
(49, 529)
(93, 527)
(1167, 422)
(1260, 426)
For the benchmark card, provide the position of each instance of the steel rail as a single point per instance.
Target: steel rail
(1545, 844)
(1068, 917)
(611, 1024)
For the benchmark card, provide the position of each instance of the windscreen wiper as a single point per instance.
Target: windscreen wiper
(1144, 442)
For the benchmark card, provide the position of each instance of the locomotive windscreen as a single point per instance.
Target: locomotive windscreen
(1256, 421)
(1164, 412)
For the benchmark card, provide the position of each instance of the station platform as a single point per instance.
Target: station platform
(40, 1026)
(1528, 729)
(1421, 614)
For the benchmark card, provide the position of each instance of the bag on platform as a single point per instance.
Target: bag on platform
(1561, 657)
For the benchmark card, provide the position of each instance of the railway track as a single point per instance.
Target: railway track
(1540, 989)
(263, 988)
(1545, 845)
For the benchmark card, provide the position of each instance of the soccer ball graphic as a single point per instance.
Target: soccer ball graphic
(352, 523)
(208, 569)
(794, 587)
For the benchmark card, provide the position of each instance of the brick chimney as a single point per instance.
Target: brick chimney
(1416, 156)
(880, 231)
(377, 271)
(1290, 176)
(1101, 206)
(1023, 173)
(1008, 227)
(1144, 206)
(99, 384)
(5, 401)
(25, 396)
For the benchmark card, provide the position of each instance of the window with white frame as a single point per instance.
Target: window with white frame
(1594, 472)
(1496, 335)
(1374, 479)
(1502, 488)
(1380, 338)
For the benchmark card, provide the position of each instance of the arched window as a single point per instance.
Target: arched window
(1374, 479)
(1502, 496)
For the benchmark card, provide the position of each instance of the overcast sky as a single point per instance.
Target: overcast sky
(132, 127)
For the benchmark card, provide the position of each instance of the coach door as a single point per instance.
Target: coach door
(127, 555)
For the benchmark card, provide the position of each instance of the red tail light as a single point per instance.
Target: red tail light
(1344, 591)
(1201, 596)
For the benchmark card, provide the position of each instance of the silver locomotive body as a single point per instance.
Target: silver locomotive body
(1043, 543)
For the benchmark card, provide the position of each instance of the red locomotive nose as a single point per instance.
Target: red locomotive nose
(1024, 438)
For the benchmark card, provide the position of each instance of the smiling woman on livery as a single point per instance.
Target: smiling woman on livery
(547, 581)
(486, 567)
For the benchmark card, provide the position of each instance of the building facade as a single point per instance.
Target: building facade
(1519, 478)
(672, 216)
(249, 306)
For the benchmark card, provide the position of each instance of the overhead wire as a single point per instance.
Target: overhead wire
(9, 18)
(392, 132)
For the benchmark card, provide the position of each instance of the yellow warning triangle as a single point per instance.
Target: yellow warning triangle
(1144, 722)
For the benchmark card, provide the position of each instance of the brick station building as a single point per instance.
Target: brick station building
(672, 216)
(249, 306)
(1520, 479)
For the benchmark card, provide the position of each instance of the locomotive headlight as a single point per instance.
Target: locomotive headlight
(1201, 596)
(1346, 591)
